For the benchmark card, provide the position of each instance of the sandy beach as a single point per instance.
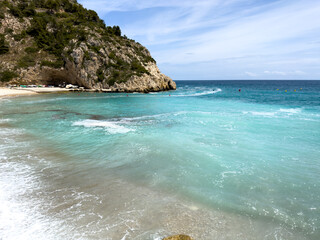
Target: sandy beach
(7, 92)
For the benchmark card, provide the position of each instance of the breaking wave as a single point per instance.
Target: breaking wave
(282, 112)
(290, 110)
(110, 127)
(199, 94)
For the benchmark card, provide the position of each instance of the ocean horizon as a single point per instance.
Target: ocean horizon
(215, 159)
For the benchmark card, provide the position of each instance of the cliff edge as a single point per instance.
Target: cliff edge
(59, 41)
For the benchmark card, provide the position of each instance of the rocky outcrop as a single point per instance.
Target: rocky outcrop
(59, 41)
(154, 82)
(178, 237)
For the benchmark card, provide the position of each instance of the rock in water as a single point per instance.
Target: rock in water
(178, 237)
(59, 41)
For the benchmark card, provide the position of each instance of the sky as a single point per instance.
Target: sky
(222, 39)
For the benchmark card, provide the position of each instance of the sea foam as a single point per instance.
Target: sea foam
(110, 127)
(277, 113)
(290, 110)
(199, 94)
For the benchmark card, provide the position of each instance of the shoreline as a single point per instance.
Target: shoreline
(15, 92)
(7, 92)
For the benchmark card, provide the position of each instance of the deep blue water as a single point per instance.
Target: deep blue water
(248, 148)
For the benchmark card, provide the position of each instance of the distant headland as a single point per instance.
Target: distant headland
(57, 42)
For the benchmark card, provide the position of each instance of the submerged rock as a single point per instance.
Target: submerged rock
(178, 237)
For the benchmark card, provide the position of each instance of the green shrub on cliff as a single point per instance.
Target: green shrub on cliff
(15, 11)
(4, 4)
(114, 30)
(31, 50)
(19, 37)
(4, 47)
(23, 9)
(7, 76)
(138, 68)
(100, 74)
(26, 61)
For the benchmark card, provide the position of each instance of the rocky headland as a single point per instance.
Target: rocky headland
(59, 41)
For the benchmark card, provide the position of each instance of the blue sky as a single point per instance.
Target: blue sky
(222, 39)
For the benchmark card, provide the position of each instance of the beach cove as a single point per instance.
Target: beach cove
(207, 160)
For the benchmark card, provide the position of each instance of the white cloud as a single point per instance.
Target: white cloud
(298, 72)
(135, 5)
(238, 34)
(276, 73)
(281, 73)
(251, 74)
(263, 34)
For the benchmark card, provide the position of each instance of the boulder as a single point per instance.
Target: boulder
(178, 237)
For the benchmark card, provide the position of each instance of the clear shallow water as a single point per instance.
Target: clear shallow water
(206, 160)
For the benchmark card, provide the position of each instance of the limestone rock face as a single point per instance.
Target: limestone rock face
(178, 237)
(66, 43)
(154, 82)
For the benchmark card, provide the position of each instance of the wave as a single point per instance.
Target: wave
(5, 100)
(110, 127)
(281, 112)
(199, 94)
(127, 120)
(265, 114)
(115, 125)
(5, 120)
(290, 110)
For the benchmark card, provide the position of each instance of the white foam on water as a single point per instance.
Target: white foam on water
(145, 117)
(229, 174)
(20, 218)
(4, 120)
(199, 94)
(5, 100)
(23, 214)
(119, 125)
(264, 114)
(16, 220)
(128, 120)
(269, 114)
(110, 127)
(283, 112)
(26, 200)
(290, 110)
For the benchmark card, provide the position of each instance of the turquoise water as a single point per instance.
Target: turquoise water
(252, 154)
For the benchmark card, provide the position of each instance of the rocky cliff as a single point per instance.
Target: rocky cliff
(59, 41)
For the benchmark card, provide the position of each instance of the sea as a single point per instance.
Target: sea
(214, 160)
